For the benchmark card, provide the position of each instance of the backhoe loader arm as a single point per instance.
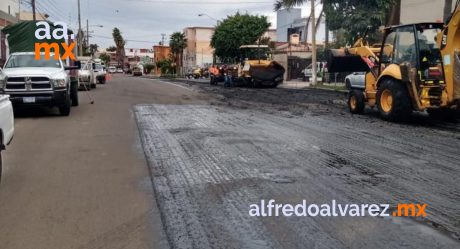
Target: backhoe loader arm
(449, 42)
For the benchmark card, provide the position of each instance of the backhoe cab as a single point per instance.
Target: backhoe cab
(407, 72)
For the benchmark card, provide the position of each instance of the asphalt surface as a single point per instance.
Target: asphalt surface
(209, 153)
(209, 163)
(82, 181)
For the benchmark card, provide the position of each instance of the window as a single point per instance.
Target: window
(405, 49)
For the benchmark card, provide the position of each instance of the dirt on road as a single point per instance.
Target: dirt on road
(210, 163)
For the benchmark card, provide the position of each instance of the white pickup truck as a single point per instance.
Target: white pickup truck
(6, 123)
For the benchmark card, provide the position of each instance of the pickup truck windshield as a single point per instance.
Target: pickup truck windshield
(28, 60)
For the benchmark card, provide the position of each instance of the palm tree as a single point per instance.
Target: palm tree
(177, 43)
(120, 45)
(93, 48)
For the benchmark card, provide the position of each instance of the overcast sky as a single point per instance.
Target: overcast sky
(146, 20)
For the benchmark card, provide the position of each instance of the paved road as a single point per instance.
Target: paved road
(82, 181)
(210, 163)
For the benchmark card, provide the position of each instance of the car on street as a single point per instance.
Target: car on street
(6, 122)
(112, 69)
(86, 76)
(31, 82)
(99, 70)
(355, 80)
(137, 71)
(120, 70)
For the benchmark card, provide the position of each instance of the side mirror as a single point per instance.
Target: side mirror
(94, 66)
(76, 66)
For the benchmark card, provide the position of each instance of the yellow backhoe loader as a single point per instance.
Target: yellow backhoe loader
(416, 68)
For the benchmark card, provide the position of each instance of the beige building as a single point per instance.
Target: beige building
(414, 11)
(29, 16)
(199, 51)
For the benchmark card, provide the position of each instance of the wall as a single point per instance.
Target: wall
(284, 20)
(198, 51)
(414, 11)
(12, 4)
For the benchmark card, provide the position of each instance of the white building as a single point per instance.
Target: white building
(290, 22)
(414, 11)
(284, 20)
(136, 55)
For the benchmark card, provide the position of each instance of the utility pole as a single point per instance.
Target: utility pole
(163, 39)
(313, 43)
(33, 10)
(87, 33)
(80, 40)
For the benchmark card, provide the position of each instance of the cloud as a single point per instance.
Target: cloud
(146, 20)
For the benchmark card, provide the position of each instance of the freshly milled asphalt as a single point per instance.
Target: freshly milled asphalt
(209, 152)
(82, 181)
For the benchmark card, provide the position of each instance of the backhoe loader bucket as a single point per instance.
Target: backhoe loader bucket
(272, 72)
(457, 75)
(339, 61)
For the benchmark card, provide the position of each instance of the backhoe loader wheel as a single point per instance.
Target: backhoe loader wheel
(356, 101)
(393, 101)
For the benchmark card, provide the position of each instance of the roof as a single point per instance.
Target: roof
(438, 24)
(254, 46)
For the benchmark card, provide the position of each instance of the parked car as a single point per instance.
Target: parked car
(39, 82)
(137, 71)
(86, 76)
(99, 70)
(307, 73)
(112, 70)
(120, 70)
(6, 122)
(355, 80)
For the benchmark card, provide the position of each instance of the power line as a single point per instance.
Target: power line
(203, 2)
(111, 38)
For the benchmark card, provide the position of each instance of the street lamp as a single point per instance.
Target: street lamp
(87, 30)
(204, 14)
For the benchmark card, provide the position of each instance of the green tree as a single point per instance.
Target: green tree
(111, 49)
(177, 43)
(166, 66)
(93, 48)
(120, 45)
(148, 68)
(352, 17)
(105, 58)
(235, 31)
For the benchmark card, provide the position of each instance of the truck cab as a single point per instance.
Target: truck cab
(32, 82)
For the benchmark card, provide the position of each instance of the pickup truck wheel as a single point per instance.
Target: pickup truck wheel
(356, 101)
(393, 101)
(74, 93)
(64, 109)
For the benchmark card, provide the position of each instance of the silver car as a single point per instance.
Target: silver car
(356, 80)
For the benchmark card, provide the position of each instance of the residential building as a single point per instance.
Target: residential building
(199, 52)
(414, 11)
(290, 22)
(29, 16)
(160, 53)
(284, 19)
(136, 56)
(8, 13)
